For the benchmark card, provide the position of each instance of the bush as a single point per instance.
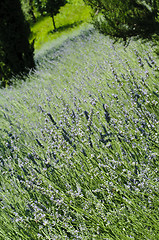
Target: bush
(125, 18)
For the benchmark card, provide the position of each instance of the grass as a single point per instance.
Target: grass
(72, 16)
(79, 144)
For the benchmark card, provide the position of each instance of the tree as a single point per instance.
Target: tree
(14, 34)
(28, 7)
(40, 6)
(31, 10)
(4, 69)
(53, 7)
(125, 17)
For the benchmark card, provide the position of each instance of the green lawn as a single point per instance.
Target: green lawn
(71, 17)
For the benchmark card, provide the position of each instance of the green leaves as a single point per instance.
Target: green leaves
(125, 18)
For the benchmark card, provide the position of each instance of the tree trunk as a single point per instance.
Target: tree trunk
(53, 21)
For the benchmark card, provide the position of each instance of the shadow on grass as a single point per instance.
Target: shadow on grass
(39, 19)
(65, 27)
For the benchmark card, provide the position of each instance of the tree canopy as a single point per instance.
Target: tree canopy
(125, 17)
(53, 7)
(15, 51)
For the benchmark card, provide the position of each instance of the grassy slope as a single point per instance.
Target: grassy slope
(79, 144)
(73, 16)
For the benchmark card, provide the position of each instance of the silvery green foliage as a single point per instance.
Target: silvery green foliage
(79, 144)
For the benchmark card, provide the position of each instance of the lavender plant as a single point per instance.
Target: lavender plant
(79, 144)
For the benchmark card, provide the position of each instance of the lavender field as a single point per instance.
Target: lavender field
(79, 145)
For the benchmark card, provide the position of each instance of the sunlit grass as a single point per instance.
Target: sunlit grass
(70, 18)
